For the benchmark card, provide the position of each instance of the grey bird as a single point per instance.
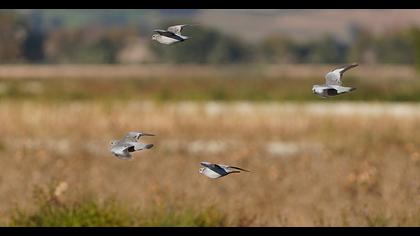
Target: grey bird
(123, 147)
(332, 86)
(171, 35)
(215, 171)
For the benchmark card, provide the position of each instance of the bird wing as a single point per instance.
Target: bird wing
(214, 167)
(165, 33)
(205, 164)
(237, 168)
(176, 29)
(134, 146)
(131, 137)
(334, 77)
(226, 167)
(343, 69)
(120, 149)
(134, 136)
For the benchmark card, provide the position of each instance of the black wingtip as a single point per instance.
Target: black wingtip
(234, 167)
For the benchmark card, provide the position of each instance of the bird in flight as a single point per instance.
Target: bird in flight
(332, 86)
(123, 147)
(215, 171)
(171, 35)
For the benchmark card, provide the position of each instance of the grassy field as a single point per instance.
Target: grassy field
(202, 83)
(309, 165)
(313, 163)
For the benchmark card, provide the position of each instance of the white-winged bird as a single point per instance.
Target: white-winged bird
(215, 171)
(332, 86)
(123, 147)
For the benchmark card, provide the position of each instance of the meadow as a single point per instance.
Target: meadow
(313, 162)
(161, 83)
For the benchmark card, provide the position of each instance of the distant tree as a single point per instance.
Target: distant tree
(394, 48)
(13, 33)
(326, 50)
(87, 45)
(33, 46)
(362, 48)
(277, 49)
(415, 42)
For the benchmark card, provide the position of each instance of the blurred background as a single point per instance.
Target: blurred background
(237, 93)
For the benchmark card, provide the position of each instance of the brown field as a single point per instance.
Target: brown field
(311, 163)
(367, 72)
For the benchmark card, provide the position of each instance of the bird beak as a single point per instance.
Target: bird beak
(146, 134)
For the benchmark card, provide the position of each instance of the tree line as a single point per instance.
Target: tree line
(22, 42)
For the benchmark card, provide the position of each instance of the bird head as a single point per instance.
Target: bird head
(155, 36)
(112, 143)
(317, 90)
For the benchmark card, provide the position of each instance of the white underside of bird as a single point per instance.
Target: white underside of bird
(167, 40)
(209, 173)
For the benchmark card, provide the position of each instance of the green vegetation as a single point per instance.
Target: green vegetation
(87, 212)
(203, 88)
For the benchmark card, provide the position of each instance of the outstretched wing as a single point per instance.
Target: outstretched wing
(134, 136)
(237, 168)
(334, 77)
(131, 137)
(343, 69)
(233, 167)
(176, 29)
(133, 146)
(165, 33)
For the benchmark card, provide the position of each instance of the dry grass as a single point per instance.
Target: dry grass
(309, 165)
(377, 72)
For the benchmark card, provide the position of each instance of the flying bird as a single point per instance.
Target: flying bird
(123, 147)
(215, 171)
(171, 35)
(332, 86)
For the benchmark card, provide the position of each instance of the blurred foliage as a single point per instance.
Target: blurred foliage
(393, 47)
(89, 45)
(205, 46)
(12, 28)
(415, 39)
(102, 36)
